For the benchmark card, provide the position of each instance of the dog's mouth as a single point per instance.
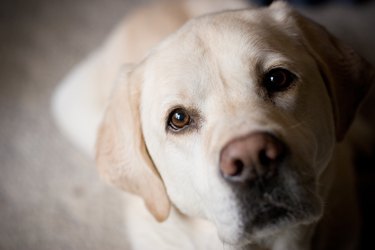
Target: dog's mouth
(262, 216)
(271, 211)
(277, 206)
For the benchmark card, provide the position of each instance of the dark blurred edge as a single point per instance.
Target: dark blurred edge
(311, 2)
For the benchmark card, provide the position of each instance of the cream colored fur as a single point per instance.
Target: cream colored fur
(213, 64)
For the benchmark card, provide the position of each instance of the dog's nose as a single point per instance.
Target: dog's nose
(253, 157)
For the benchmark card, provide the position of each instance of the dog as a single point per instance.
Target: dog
(230, 133)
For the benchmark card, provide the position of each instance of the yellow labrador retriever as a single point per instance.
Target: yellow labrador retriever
(227, 130)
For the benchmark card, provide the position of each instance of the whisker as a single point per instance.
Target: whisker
(296, 125)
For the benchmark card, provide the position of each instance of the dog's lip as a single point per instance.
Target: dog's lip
(280, 207)
(268, 213)
(271, 201)
(253, 230)
(271, 213)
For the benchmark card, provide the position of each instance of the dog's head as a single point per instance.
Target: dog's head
(233, 119)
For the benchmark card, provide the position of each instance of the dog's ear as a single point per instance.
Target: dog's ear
(121, 154)
(347, 75)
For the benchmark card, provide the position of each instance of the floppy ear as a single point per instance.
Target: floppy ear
(347, 75)
(122, 156)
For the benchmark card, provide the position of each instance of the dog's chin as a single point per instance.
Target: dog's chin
(275, 218)
(263, 216)
(259, 230)
(273, 213)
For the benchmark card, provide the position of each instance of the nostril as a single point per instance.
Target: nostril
(239, 166)
(233, 168)
(264, 159)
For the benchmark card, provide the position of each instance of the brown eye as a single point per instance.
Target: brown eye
(178, 119)
(277, 80)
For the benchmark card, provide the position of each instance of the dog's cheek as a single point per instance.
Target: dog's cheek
(195, 187)
(182, 170)
(313, 110)
(323, 127)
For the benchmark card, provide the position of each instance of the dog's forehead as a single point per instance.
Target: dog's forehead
(227, 34)
(212, 50)
(234, 40)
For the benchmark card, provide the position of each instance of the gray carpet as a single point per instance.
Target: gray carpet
(50, 194)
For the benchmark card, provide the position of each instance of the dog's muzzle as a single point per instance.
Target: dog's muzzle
(266, 182)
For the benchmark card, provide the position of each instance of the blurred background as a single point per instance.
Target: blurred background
(50, 194)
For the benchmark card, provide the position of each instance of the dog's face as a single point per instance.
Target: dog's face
(227, 78)
(232, 119)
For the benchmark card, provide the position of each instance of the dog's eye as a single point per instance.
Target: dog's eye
(277, 80)
(178, 119)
